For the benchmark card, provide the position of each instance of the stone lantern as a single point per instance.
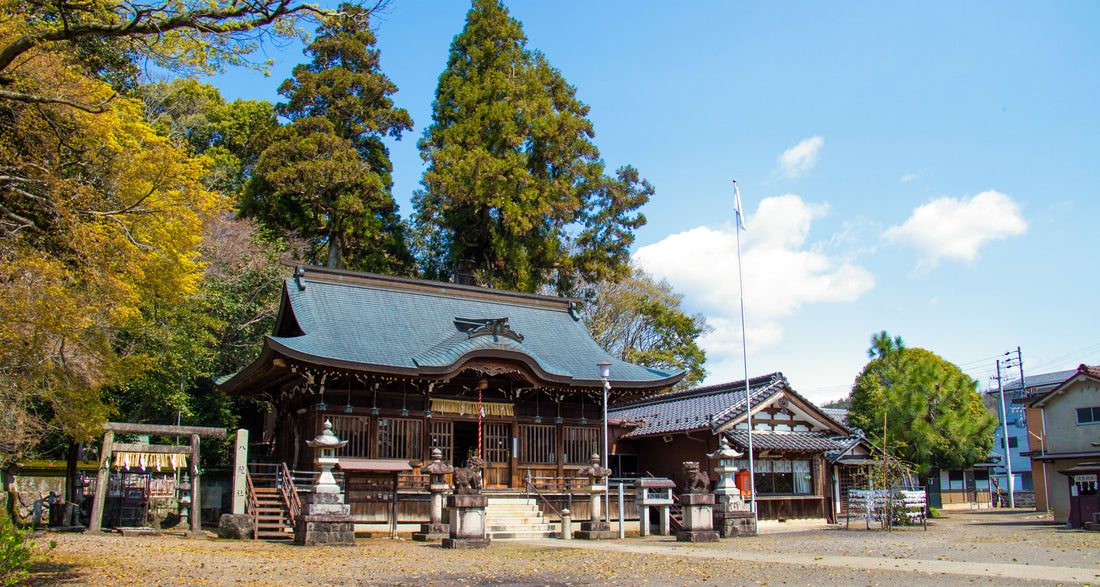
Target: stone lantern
(732, 516)
(326, 519)
(596, 528)
(437, 485)
(328, 443)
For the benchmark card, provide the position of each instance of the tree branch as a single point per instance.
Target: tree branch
(35, 99)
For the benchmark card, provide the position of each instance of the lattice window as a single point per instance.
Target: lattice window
(443, 437)
(537, 444)
(356, 431)
(580, 443)
(399, 438)
(496, 441)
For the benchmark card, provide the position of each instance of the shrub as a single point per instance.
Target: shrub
(15, 551)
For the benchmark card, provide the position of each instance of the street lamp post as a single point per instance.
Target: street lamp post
(605, 372)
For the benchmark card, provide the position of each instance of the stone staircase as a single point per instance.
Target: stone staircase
(515, 517)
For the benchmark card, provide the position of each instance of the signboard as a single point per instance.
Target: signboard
(1085, 478)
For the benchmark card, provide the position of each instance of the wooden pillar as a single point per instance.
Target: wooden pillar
(102, 479)
(196, 488)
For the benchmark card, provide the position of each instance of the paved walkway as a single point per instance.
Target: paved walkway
(974, 569)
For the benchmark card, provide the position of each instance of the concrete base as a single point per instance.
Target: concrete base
(432, 532)
(596, 531)
(324, 530)
(697, 536)
(463, 543)
(596, 535)
(735, 523)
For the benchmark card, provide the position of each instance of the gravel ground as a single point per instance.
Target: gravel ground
(1014, 548)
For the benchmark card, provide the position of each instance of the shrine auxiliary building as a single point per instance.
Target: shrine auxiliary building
(401, 366)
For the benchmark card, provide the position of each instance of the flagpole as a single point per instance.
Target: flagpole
(740, 224)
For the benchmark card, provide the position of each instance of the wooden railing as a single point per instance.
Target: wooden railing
(289, 492)
(252, 506)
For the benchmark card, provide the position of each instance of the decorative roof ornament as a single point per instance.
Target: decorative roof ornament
(475, 327)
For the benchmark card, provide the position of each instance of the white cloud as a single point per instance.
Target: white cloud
(950, 228)
(908, 177)
(800, 158)
(782, 274)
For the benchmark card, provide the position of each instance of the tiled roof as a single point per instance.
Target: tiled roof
(838, 414)
(694, 409)
(409, 327)
(790, 441)
(1040, 382)
(1080, 374)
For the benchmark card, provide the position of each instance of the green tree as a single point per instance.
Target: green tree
(640, 320)
(216, 331)
(106, 37)
(515, 194)
(230, 135)
(920, 407)
(326, 175)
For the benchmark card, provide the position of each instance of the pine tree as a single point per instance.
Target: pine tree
(515, 192)
(326, 175)
(922, 408)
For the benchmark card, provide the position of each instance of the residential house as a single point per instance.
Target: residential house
(1064, 425)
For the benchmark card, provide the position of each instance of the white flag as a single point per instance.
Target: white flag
(737, 207)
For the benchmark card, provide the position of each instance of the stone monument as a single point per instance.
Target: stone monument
(467, 506)
(732, 516)
(325, 520)
(697, 505)
(437, 485)
(596, 528)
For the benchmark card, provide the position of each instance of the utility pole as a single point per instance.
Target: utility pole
(1008, 449)
(1019, 362)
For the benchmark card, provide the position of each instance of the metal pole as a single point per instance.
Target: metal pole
(606, 448)
(1023, 391)
(1004, 428)
(606, 441)
(745, 357)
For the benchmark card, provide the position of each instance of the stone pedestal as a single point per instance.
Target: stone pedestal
(734, 523)
(698, 522)
(467, 527)
(435, 529)
(596, 528)
(733, 517)
(326, 522)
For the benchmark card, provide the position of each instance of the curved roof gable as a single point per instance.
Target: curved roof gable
(362, 321)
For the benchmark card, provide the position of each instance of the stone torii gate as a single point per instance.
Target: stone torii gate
(109, 447)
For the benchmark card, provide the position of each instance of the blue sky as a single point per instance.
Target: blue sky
(925, 168)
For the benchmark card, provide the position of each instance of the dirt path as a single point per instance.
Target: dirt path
(1002, 548)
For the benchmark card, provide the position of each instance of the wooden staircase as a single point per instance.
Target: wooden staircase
(272, 518)
(273, 502)
(515, 517)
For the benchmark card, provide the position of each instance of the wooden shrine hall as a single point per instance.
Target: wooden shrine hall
(401, 365)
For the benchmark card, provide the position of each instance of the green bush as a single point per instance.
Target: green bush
(15, 551)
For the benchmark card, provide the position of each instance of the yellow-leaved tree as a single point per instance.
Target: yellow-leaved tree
(100, 217)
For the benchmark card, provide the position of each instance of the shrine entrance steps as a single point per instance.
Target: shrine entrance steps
(515, 517)
(272, 518)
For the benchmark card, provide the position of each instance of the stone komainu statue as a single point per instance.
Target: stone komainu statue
(695, 481)
(467, 480)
